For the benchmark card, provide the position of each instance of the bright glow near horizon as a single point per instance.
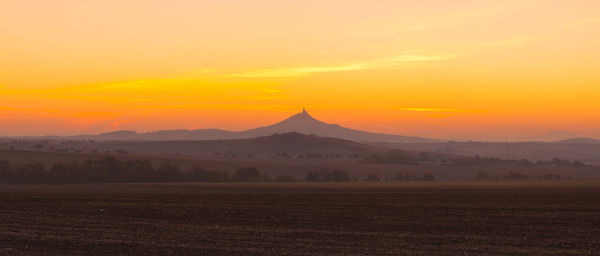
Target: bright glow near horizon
(482, 70)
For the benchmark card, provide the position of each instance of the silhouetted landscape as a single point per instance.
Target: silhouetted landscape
(291, 156)
(301, 122)
(297, 135)
(217, 196)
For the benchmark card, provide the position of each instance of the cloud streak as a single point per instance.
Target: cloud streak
(299, 71)
(429, 109)
(399, 60)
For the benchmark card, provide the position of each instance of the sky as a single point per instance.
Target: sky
(463, 70)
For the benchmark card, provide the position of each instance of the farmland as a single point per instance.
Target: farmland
(439, 218)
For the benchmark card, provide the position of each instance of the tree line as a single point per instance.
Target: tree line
(398, 156)
(326, 175)
(517, 176)
(112, 170)
(477, 160)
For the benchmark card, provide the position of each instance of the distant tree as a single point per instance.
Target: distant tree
(428, 177)
(340, 176)
(199, 174)
(413, 177)
(139, 171)
(312, 176)
(392, 157)
(266, 178)
(285, 178)
(107, 169)
(561, 163)
(482, 176)
(578, 164)
(122, 151)
(30, 174)
(525, 162)
(248, 174)
(59, 173)
(169, 173)
(515, 176)
(325, 175)
(398, 177)
(373, 177)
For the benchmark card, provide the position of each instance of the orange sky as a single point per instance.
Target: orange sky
(465, 69)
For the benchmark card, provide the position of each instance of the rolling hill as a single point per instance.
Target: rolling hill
(291, 143)
(302, 123)
(581, 140)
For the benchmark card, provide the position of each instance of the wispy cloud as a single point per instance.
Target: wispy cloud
(430, 109)
(404, 59)
(299, 71)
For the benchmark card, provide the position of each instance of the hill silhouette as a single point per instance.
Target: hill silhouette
(581, 140)
(291, 143)
(301, 122)
(304, 123)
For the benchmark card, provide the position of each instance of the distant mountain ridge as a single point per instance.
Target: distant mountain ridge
(302, 123)
(580, 140)
(291, 143)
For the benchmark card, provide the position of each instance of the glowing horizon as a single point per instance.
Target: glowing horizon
(481, 70)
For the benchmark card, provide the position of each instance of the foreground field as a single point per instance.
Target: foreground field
(302, 219)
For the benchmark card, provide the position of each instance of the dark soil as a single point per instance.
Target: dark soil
(234, 219)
